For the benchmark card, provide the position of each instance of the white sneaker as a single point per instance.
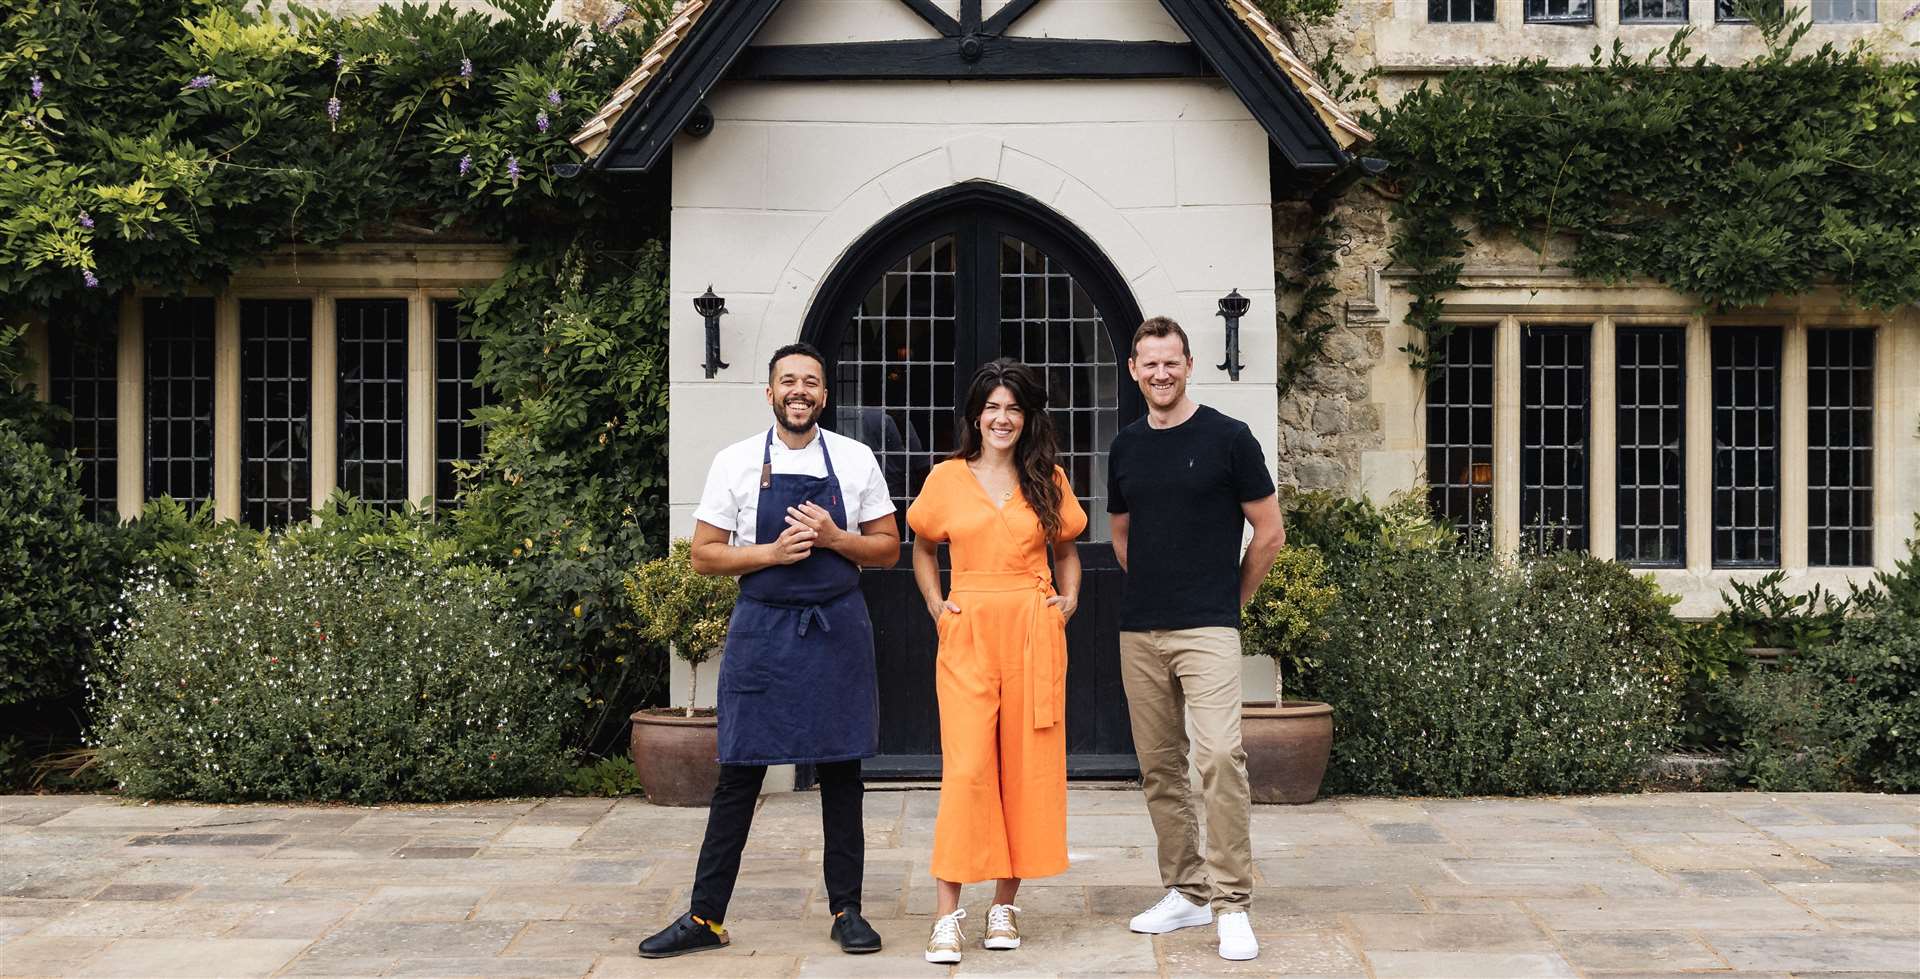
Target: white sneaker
(1003, 931)
(1236, 937)
(1172, 913)
(944, 947)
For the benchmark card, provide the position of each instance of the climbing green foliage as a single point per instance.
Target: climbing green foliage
(1731, 184)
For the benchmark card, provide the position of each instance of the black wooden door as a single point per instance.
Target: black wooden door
(949, 283)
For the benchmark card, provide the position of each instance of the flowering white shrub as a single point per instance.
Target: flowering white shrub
(1451, 674)
(286, 673)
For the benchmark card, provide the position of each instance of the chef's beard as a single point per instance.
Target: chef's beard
(813, 419)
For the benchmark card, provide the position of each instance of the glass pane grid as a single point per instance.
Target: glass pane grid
(276, 401)
(1561, 11)
(84, 374)
(1460, 430)
(457, 392)
(373, 400)
(1840, 392)
(1460, 11)
(1650, 406)
(1844, 12)
(1653, 11)
(1048, 321)
(894, 378)
(1746, 447)
(1732, 12)
(1553, 438)
(179, 354)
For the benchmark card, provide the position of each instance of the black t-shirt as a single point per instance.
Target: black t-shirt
(1182, 487)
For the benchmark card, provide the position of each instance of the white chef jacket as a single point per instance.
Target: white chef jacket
(731, 499)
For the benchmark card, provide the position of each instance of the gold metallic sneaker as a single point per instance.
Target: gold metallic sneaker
(944, 947)
(1003, 931)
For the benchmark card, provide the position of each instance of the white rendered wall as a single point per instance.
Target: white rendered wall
(1168, 178)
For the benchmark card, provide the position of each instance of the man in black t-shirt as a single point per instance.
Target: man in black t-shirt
(1183, 483)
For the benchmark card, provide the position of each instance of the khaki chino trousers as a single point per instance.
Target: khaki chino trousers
(1169, 675)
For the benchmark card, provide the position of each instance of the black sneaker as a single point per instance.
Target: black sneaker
(686, 934)
(855, 936)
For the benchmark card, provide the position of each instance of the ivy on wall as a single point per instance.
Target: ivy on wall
(167, 142)
(1732, 184)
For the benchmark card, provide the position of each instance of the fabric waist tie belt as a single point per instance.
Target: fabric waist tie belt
(810, 615)
(1039, 667)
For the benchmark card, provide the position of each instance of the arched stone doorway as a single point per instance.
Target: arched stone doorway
(942, 285)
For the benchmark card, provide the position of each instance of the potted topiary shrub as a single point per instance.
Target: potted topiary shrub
(1287, 741)
(675, 750)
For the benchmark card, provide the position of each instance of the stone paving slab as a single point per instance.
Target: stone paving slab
(1720, 884)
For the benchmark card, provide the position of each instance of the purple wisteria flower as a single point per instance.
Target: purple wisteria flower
(513, 169)
(87, 276)
(615, 19)
(333, 109)
(86, 220)
(466, 67)
(339, 61)
(466, 163)
(553, 96)
(1912, 12)
(200, 82)
(36, 86)
(541, 122)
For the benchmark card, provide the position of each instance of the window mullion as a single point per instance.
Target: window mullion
(226, 407)
(1793, 446)
(325, 388)
(420, 434)
(1602, 451)
(1506, 438)
(1699, 446)
(131, 491)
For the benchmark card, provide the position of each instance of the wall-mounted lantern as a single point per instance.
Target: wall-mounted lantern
(711, 308)
(1233, 305)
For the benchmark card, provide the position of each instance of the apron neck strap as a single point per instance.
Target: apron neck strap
(766, 456)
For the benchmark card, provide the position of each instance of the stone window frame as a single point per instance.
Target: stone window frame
(1698, 420)
(419, 274)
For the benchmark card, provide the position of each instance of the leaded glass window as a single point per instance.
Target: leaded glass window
(1048, 322)
(1844, 12)
(1460, 11)
(178, 338)
(1653, 11)
(1460, 429)
(84, 373)
(894, 379)
(1840, 390)
(1650, 437)
(276, 406)
(457, 392)
(1746, 447)
(1559, 11)
(373, 399)
(1553, 438)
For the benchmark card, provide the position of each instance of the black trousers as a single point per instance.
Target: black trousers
(732, 817)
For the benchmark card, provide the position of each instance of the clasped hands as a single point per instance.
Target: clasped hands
(808, 524)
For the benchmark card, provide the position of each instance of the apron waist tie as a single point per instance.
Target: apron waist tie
(1042, 711)
(810, 614)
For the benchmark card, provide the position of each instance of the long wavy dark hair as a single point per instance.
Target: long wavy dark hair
(1033, 455)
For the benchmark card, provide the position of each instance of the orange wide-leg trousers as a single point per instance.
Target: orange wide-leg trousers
(1003, 778)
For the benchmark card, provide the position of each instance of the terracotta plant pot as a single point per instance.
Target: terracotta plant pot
(1287, 749)
(676, 757)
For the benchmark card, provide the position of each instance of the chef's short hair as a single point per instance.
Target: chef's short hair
(804, 350)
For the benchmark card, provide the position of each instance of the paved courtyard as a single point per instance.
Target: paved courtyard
(1723, 884)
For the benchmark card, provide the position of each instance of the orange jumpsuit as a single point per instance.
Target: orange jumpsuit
(1001, 678)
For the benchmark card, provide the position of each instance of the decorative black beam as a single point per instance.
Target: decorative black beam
(969, 17)
(1005, 16)
(927, 11)
(993, 57)
(1265, 90)
(645, 131)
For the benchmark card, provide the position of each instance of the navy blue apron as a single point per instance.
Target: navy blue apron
(797, 683)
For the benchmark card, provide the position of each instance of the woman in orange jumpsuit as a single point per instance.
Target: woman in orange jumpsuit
(1002, 666)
